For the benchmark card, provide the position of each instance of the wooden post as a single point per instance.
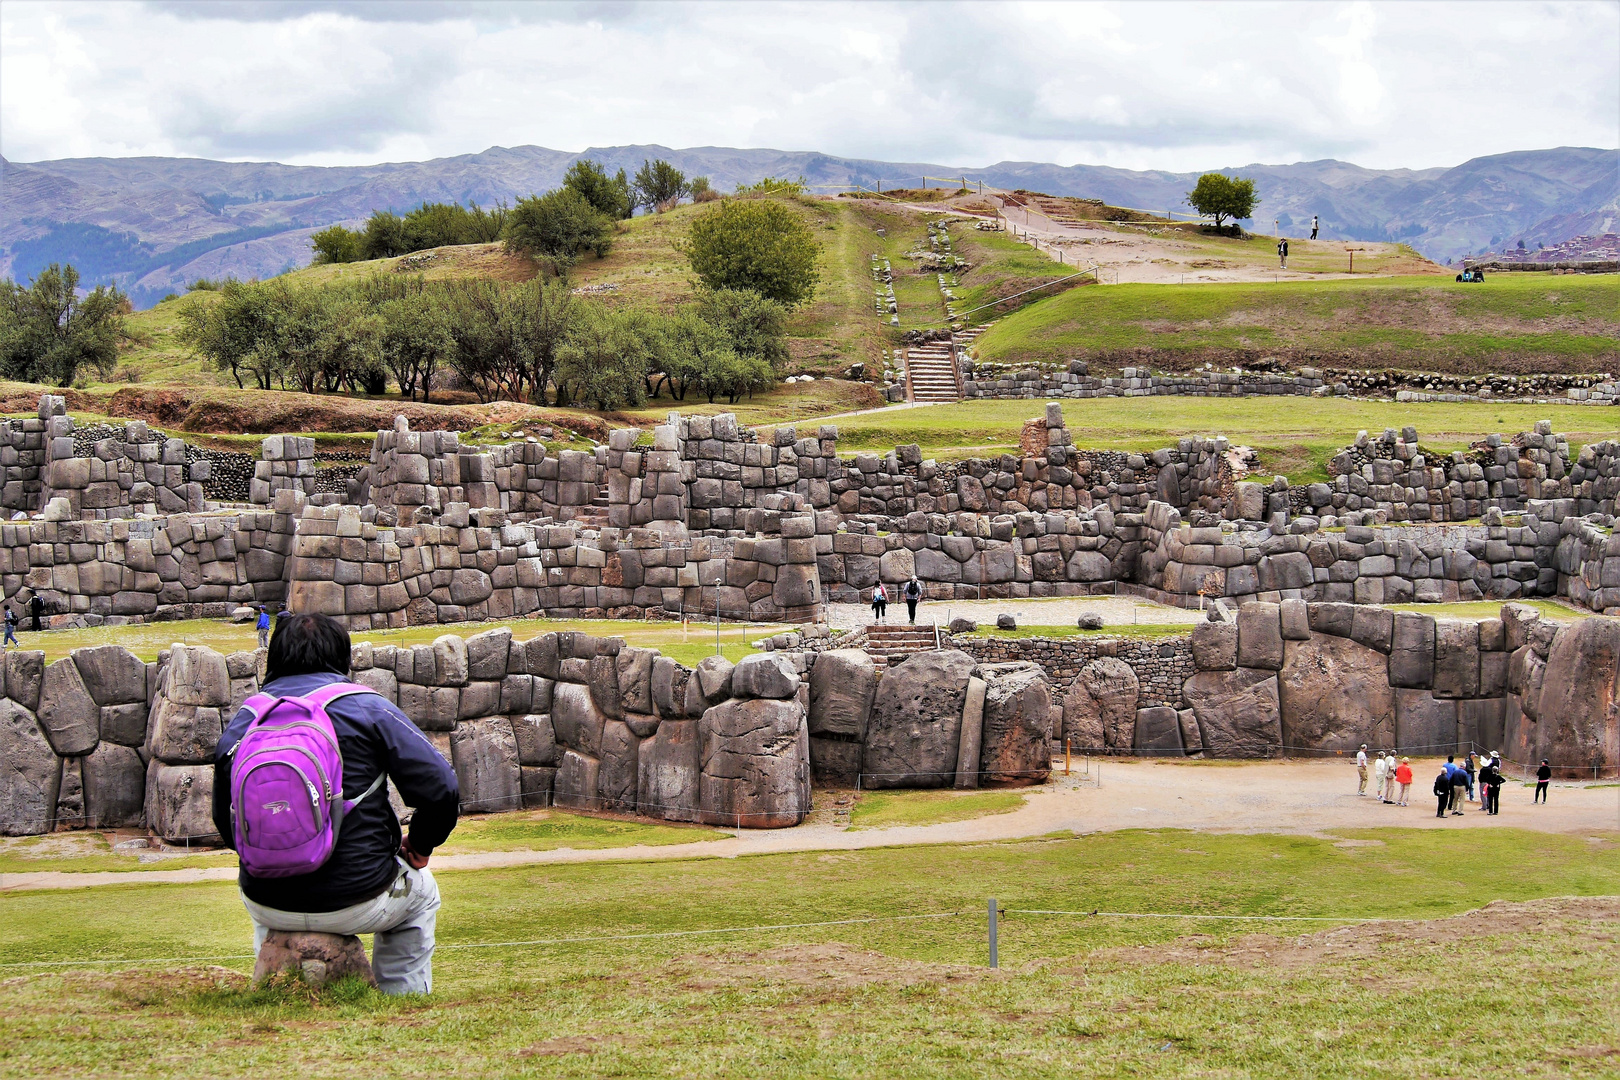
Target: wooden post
(993, 959)
(1065, 757)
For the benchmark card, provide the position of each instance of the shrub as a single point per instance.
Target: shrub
(758, 245)
(610, 196)
(48, 331)
(559, 227)
(660, 185)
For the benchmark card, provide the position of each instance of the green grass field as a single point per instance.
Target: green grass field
(1511, 323)
(904, 996)
(886, 809)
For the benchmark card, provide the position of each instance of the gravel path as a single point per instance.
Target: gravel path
(1115, 610)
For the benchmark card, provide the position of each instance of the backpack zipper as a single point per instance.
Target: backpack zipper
(326, 781)
(314, 796)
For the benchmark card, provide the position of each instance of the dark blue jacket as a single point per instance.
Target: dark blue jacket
(373, 736)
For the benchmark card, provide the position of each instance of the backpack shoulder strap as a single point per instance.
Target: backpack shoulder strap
(325, 695)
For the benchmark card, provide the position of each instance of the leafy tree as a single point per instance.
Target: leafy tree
(1221, 197)
(48, 331)
(702, 191)
(559, 227)
(336, 245)
(609, 195)
(660, 185)
(434, 225)
(606, 357)
(542, 314)
(758, 245)
(752, 325)
(384, 237)
(773, 185)
(232, 331)
(734, 374)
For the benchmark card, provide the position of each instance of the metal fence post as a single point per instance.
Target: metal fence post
(993, 960)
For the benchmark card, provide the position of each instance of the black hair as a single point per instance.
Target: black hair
(1451, 758)
(304, 644)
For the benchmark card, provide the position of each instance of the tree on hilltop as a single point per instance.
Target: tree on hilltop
(48, 331)
(609, 195)
(1220, 196)
(560, 226)
(757, 244)
(660, 185)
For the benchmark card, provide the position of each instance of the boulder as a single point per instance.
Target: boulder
(963, 626)
(317, 959)
(1424, 724)
(25, 674)
(668, 772)
(1016, 726)
(755, 763)
(634, 668)
(124, 724)
(1260, 640)
(971, 742)
(834, 761)
(1089, 620)
(1215, 646)
(450, 667)
(764, 675)
(1158, 731)
(68, 714)
(709, 685)
(114, 787)
(916, 718)
(1334, 694)
(1006, 622)
(197, 676)
(668, 685)
(185, 734)
(1099, 711)
(843, 683)
(487, 654)
(1295, 619)
(112, 674)
(30, 774)
(1411, 651)
(1578, 705)
(536, 740)
(603, 675)
(619, 774)
(485, 755)
(180, 803)
(576, 719)
(1237, 712)
(537, 781)
(1456, 659)
(575, 786)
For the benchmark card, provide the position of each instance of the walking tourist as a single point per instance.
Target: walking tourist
(1403, 776)
(1470, 767)
(1442, 790)
(1459, 785)
(1380, 774)
(880, 602)
(1490, 786)
(913, 593)
(1361, 769)
(1313, 226)
(1389, 777)
(36, 607)
(366, 878)
(1543, 777)
(264, 627)
(11, 629)
(1282, 252)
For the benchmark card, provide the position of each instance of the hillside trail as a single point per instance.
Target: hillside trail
(1302, 798)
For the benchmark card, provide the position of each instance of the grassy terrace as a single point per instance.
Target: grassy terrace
(1099, 996)
(1513, 322)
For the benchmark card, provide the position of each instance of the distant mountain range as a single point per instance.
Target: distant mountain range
(153, 224)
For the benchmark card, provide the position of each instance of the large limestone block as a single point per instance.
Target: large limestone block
(1016, 728)
(112, 674)
(487, 654)
(797, 586)
(185, 734)
(197, 676)
(576, 782)
(114, 787)
(124, 724)
(755, 762)
(537, 784)
(1260, 640)
(1424, 724)
(485, 755)
(916, 719)
(1215, 646)
(709, 685)
(1099, 711)
(25, 675)
(764, 675)
(1158, 731)
(1411, 651)
(668, 686)
(1335, 695)
(536, 739)
(603, 673)
(842, 686)
(669, 769)
(180, 803)
(619, 775)
(635, 668)
(1237, 712)
(1456, 659)
(576, 719)
(1578, 702)
(450, 662)
(69, 715)
(30, 774)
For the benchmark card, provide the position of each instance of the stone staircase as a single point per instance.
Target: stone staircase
(594, 516)
(888, 643)
(931, 373)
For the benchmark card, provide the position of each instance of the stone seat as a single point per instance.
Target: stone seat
(317, 958)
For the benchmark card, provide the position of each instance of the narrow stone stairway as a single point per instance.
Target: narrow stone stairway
(931, 372)
(890, 643)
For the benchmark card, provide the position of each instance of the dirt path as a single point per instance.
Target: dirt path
(1309, 798)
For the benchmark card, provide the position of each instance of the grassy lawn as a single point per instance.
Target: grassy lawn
(1491, 609)
(1099, 996)
(145, 639)
(1524, 322)
(881, 810)
(76, 852)
(1294, 436)
(1140, 630)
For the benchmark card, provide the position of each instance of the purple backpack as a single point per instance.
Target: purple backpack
(287, 804)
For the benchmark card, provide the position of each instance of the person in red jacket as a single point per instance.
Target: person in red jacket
(1403, 777)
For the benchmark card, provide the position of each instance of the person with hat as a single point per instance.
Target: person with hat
(1361, 769)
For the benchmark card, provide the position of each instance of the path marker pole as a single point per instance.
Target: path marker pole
(1065, 757)
(993, 960)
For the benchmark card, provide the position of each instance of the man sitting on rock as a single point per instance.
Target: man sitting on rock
(375, 880)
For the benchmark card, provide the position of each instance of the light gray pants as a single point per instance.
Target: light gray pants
(401, 918)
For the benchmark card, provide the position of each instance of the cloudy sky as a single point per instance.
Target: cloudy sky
(1137, 85)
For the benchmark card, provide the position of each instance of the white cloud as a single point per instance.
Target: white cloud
(1162, 85)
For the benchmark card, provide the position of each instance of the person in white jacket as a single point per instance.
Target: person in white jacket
(1361, 769)
(1380, 772)
(1390, 765)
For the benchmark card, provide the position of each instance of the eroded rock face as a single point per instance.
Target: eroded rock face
(843, 684)
(485, 755)
(764, 675)
(669, 768)
(1237, 712)
(114, 787)
(30, 774)
(68, 714)
(755, 762)
(1099, 711)
(1577, 708)
(1334, 694)
(1017, 726)
(911, 738)
(180, 802)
